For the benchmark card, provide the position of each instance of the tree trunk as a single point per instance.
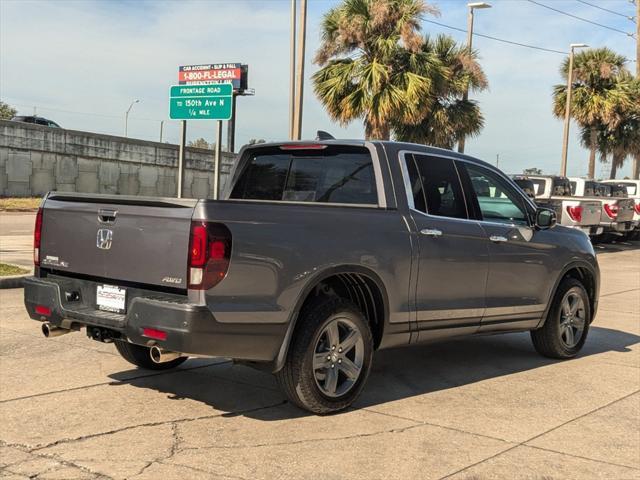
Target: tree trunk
(615, 160)
(593, 147)
(374, 130)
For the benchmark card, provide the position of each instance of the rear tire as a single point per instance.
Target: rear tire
(140, 356)
(567, 325)
(329, 358)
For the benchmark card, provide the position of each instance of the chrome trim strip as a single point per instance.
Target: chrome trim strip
(448, 314)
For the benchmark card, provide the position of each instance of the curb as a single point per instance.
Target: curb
(14, 281)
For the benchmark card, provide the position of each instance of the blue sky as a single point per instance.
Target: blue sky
(81, 63)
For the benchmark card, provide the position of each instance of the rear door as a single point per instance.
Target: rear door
(128, 238)
(518, 282)
(453, 254)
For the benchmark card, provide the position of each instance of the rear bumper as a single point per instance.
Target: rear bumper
(619, 227)
(191, 329)
(591, 230)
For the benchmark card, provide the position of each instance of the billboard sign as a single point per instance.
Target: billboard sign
(201, 102)
(233, 73)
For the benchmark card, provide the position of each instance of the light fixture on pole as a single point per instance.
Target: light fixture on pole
(567, 110)
(126, 117)
(472, 6)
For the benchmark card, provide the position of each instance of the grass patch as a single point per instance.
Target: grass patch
(19, 204)
(7, 270)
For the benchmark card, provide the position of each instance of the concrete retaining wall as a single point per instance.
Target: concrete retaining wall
(35, 159)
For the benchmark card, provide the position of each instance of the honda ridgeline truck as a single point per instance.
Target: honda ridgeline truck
(616, 209)
(319, 254)
(632, 188)
(554, 192)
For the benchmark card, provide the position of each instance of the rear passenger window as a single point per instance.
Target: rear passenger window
(435, 186)
(334, 174)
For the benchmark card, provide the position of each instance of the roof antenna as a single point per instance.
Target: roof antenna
(322, 135)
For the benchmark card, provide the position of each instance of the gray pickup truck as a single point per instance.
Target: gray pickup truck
(319, 254)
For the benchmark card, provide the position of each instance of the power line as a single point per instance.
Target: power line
(606, 10)
(582, 19)
(499, 39)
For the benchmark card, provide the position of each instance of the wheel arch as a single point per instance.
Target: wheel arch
(586, 274)
(356, 283)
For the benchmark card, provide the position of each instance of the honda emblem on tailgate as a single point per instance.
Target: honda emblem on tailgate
(105, 236)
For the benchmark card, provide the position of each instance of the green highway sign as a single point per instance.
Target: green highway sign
(201, 102)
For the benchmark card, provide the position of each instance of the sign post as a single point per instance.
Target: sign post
(183, 138)
(216, 166)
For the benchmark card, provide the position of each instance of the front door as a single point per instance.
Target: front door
(520, 261)
(453, 261)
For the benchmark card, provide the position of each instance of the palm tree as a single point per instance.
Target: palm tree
(594, 93)
(373, 66)
(447, 118)
(620, 138)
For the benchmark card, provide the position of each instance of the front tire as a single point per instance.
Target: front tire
(140, 356)
(567, 325)
(329, 357)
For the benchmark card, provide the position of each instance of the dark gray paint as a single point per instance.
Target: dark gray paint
(434, 287)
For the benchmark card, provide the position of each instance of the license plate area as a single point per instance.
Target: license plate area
(110, 298)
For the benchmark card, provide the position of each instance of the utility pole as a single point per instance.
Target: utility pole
(567, 110)
(497, 160)
(465, 96)
(161, 125)
(299, 93)
(292, 73)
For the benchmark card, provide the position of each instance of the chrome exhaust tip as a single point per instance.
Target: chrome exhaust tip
(51, 331)
(160, 355)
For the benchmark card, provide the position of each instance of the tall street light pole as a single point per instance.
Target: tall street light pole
(472, 7)
(126, 117)
(635, 165)
(567, 110)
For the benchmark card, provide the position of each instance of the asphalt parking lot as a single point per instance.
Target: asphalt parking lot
(486, 407)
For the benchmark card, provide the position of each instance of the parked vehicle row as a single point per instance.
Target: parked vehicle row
(600, 209)
(319, 254)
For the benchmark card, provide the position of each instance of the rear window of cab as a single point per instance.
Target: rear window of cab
(323, 174)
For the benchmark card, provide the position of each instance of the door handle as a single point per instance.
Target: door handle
(497, 238)
(431, 232)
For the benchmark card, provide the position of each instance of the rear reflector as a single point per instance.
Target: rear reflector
(575, 213)
(611, 210)
(636, 207)
(209, 254)
(303, 146)
(37, 238)
(42, 310)
(153, 333)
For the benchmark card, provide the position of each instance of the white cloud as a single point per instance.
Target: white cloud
(96, 56)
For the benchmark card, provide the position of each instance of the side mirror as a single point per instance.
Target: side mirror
(545, 218)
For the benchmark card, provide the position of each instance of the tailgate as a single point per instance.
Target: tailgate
(591, 211)
(625, 210)
(134, 239)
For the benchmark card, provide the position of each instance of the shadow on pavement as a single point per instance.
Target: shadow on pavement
(616, 246)
(396, 374)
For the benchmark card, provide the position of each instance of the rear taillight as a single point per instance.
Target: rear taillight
(636, 207)
(209, 254)
(611, 210)
(575, 213)
(37, 238)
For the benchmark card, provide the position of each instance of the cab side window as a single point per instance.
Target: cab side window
(435, 186)
(497, 200)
